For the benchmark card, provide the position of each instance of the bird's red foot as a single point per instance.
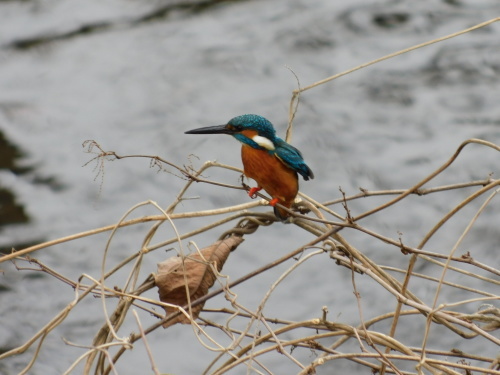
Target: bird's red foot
(252, 193)
(273, 202)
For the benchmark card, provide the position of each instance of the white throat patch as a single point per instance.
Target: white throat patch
(263, 142)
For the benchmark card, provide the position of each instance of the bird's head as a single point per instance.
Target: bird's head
(253, 130)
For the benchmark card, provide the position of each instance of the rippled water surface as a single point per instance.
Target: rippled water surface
(134, 76)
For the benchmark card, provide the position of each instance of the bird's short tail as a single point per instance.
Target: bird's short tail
(281, 213)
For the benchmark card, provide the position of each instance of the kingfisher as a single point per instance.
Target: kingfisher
(269, 160)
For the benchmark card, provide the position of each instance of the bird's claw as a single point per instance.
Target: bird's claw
(252, 193)
(273, 202)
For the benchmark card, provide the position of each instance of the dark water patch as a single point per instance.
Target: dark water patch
(157, 14)
(18, 246)
(473, 4)
(9, 156)
(189, 7)
(421, 160)
(5, 288)
(50, 181)
(390, 20)
(87, 29)
(35, 275)
(308, 39)
(379, 19)
(11, 212)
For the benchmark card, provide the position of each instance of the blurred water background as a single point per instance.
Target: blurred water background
(134, 75)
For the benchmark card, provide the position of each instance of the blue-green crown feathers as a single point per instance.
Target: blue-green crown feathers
(255, 122)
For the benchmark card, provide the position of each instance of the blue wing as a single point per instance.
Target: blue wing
(292, 158)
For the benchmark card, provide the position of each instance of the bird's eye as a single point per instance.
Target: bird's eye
(237, 128)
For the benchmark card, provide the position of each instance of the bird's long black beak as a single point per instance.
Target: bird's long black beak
(218, 129)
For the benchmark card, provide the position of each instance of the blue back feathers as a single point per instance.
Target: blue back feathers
(285, 152)
(292, 157)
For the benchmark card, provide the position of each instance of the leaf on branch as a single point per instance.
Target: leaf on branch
(198, 270)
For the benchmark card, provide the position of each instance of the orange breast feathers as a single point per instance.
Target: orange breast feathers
(270, 174)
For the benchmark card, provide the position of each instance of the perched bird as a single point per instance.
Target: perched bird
(267, 159)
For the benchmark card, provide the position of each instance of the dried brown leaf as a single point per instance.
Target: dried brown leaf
(197, 270)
